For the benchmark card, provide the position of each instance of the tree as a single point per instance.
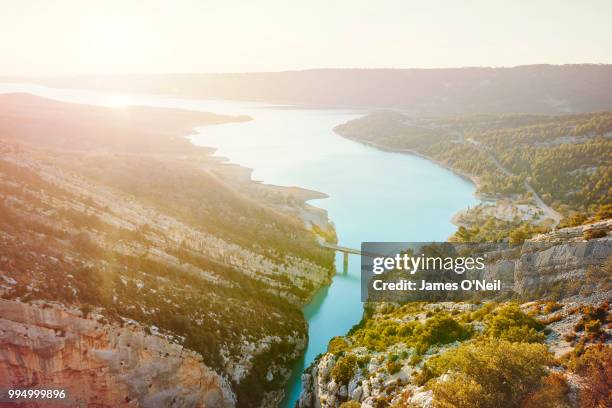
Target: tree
(481, 374)
(344, 369)
(595, 368)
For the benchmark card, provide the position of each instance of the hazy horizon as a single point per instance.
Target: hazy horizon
(59, 75)
(67, 37)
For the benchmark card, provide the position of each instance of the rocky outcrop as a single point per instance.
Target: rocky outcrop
(600, 228)
(537, 265)
(49, 346)
(535, 271)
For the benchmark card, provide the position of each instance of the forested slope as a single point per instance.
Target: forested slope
(567, 159)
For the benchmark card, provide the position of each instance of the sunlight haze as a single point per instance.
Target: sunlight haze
(77, 37)
(306, 204)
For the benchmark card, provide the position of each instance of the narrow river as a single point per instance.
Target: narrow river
(373, 195)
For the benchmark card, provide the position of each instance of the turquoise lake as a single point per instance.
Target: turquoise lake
(373, 195)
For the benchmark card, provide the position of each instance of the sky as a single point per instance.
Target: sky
(71, 37)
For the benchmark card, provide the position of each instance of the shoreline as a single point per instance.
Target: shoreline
(312, 217)
(468, 177)
(456, 218)
(465, 176)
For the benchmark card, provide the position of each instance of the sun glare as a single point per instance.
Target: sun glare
(112, 37)
(116, 101)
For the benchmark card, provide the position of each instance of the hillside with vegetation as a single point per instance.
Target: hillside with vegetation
(547, 343)
(547, 167)
(543, 343)
(465, 355)
(102, 219)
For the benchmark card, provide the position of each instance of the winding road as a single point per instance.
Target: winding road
(547, 210)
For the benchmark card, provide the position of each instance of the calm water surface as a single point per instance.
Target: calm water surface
(373, 195)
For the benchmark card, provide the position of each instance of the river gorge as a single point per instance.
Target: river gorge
(373, 195)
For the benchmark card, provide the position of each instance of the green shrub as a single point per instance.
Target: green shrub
(406, 329)
(593, 327)
(522, 334)
(483, 312)
(511, 324)
(363, 361)
(344, 369)
(393, 366)
(416, 359)
(440, 329)
(481, 374)
(337, 345)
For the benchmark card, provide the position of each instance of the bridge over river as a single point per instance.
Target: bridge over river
(346, 251)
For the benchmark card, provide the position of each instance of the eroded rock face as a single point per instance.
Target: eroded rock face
(536, 270)
(538, 264)
(47, 346)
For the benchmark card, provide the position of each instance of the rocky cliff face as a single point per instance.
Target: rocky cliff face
(48, 346)
(537, 266)
(536, 271)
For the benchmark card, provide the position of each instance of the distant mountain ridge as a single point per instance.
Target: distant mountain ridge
(545, 89)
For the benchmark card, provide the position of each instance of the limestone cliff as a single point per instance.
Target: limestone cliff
(48, 346)
(111, 220)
